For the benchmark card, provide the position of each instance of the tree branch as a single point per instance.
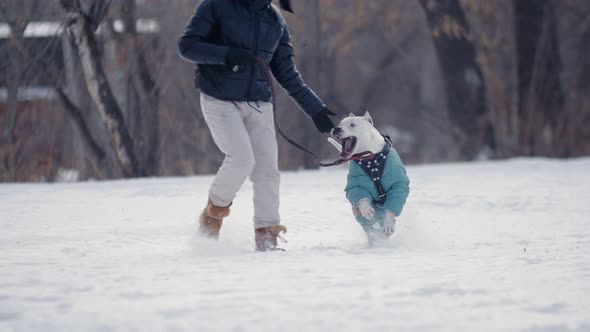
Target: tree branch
(76, 115)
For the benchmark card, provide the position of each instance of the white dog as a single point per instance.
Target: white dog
(378, 185)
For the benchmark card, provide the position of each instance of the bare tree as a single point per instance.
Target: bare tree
(82, 24)
(76, 115)
(572, 137)
(17, 15)
(142, 88)
(462, 74)
(539, 67)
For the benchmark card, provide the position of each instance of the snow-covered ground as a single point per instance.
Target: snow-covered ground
(495, 246)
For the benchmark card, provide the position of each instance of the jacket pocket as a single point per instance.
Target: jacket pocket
(222, 72)
(238, 69)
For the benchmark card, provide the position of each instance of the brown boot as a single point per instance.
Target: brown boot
(211, 219)
(266, 237)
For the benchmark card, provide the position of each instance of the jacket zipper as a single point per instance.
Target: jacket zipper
(255, 52)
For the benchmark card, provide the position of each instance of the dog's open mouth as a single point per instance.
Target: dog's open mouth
(348, 145)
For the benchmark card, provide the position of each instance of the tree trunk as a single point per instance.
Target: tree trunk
(580, 140)
(74, 90)
(539, 67)
(80, 124)
(572, 134)
(101, 93)
(313, 73)
(12, 105)
(464, 81)
(15, 76)
(144, 104)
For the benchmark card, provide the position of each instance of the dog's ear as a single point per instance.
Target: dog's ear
(351, 115)
(367, 117)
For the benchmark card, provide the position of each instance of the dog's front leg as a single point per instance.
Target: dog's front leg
(366, 208)
(389, 223)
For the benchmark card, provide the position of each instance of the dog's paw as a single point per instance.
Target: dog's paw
(389, 223)
(336, 144)
(366, 208)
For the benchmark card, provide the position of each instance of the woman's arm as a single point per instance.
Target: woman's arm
(193, 45)
(284, 70)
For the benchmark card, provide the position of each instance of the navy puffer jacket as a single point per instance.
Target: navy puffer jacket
(218, 25)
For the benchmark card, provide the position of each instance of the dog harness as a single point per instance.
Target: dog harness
(375, 167)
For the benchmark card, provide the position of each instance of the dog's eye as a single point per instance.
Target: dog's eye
(352, 125)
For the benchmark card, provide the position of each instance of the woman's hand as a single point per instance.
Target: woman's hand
(323, 122)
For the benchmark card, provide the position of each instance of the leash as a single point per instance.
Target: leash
(359, 156)
(268, 74)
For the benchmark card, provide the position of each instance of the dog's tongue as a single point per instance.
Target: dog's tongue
(347, 147)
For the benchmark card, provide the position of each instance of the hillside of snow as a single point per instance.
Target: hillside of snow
(494, 246)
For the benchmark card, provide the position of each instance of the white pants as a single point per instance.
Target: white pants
(247, 138)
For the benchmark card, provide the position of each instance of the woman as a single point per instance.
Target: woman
(231, 42)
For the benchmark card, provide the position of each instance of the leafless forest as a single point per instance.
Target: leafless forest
(95, 89)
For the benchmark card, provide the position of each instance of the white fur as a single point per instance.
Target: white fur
(389, 223)
(361, 127)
